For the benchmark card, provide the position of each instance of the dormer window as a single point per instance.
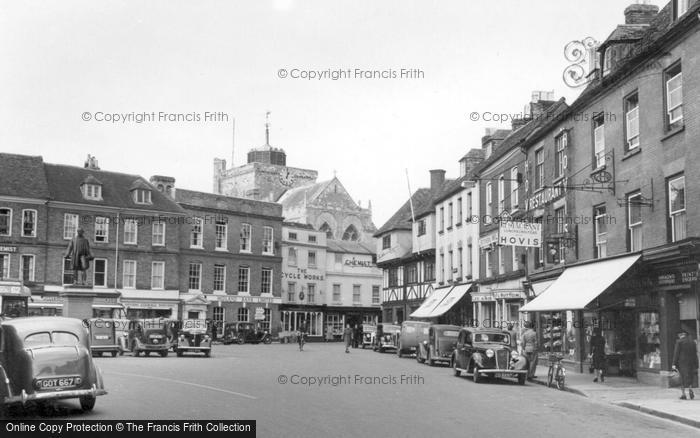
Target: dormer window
(142, 196)
(92, 189)
(141, 192)
(680, 7)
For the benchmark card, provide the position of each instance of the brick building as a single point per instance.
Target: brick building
(630, 182)
(230, 259)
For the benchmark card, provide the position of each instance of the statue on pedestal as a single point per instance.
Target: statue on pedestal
(79, 253)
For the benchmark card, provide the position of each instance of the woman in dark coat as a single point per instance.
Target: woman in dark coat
(598, 354)
(685, 360)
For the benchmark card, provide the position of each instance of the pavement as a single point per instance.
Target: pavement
(627, 392)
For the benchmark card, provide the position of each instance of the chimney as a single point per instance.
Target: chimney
(91, 163)
(437, 179)
(470, 161)
(640, 13)
(164, 184)
(518, 122)
(219, 169)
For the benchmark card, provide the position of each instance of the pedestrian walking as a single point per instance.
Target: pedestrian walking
(597, 349)
(685, 361)
(529, 343)
(347, 337)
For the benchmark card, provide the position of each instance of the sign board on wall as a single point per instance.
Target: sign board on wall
(517, 233)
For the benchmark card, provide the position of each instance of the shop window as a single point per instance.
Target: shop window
(649, 352)
(28, 223)
(634, 221)
(676, 208)
(243, 314)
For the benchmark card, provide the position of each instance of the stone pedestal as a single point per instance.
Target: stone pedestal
(77, 301)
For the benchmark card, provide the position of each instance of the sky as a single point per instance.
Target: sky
(69, 66)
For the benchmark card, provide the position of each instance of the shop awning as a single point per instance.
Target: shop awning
(542, 286)
(429, 304)
(450, 300)
(577, 286)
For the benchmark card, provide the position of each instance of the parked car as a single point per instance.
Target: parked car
(369, 331)
(408, 337)
(386, 337)
(439, 345)
(44, 359)
(245, 332)
(104, 337)
(481, 352)
(193, 337)
(149, 336)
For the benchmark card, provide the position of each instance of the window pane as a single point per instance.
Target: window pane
(677, 194)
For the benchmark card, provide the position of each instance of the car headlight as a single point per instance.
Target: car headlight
(514, 354)
(489, 353)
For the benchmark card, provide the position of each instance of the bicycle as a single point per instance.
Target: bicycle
(556, 375)
(301, 338)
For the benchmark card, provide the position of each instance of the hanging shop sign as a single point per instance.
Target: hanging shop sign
(520, 233)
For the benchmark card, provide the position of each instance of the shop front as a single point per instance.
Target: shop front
(292, 317)
(262, 310)
(46, 304)
(498, 304)
(448, 305)
(148, 304)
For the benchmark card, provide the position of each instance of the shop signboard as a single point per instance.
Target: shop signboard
(520, 233)
(683, 275)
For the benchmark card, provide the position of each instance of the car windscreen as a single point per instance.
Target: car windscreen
(494, 338)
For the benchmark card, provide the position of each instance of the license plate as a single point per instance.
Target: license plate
(101, 337)
(155, 341)
(58, 382)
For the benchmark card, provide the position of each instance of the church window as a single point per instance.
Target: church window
(351, 234)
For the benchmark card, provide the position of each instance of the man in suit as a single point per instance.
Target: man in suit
(79, 253)
(685, 361)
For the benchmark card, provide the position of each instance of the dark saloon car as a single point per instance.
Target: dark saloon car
(482, 352)
(439, 345)
(193, 337)
(386, 337)
(149, 336)
(411, 332)
(104, 336)
(47, 358)
(245, 332)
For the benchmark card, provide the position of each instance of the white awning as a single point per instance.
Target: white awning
(450, 300)
(429, 304)
(577, 286)
(542, 286)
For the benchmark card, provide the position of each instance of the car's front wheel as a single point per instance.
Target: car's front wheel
(457, 372)
(87, 402)
(164, 353)
(267, 340)
(240, 340)
(179, 353)
(521, 379)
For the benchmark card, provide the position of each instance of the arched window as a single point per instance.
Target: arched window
(326, 229)
(351, 234)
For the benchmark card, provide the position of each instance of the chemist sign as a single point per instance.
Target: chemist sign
(516, 233)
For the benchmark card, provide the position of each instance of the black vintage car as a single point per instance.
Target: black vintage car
(149, 336)
(192, 337)
(439, 345)
(482, 352)
(245, 332)
(386, 337)
(44, 359)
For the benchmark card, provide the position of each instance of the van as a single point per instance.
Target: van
(411, 332)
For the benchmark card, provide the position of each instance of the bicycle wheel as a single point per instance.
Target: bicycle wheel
(561, 378)
(550, 376)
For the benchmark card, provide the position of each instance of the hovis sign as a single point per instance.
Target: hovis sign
(514, 233)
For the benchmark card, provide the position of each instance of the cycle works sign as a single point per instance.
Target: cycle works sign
(514, 233)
